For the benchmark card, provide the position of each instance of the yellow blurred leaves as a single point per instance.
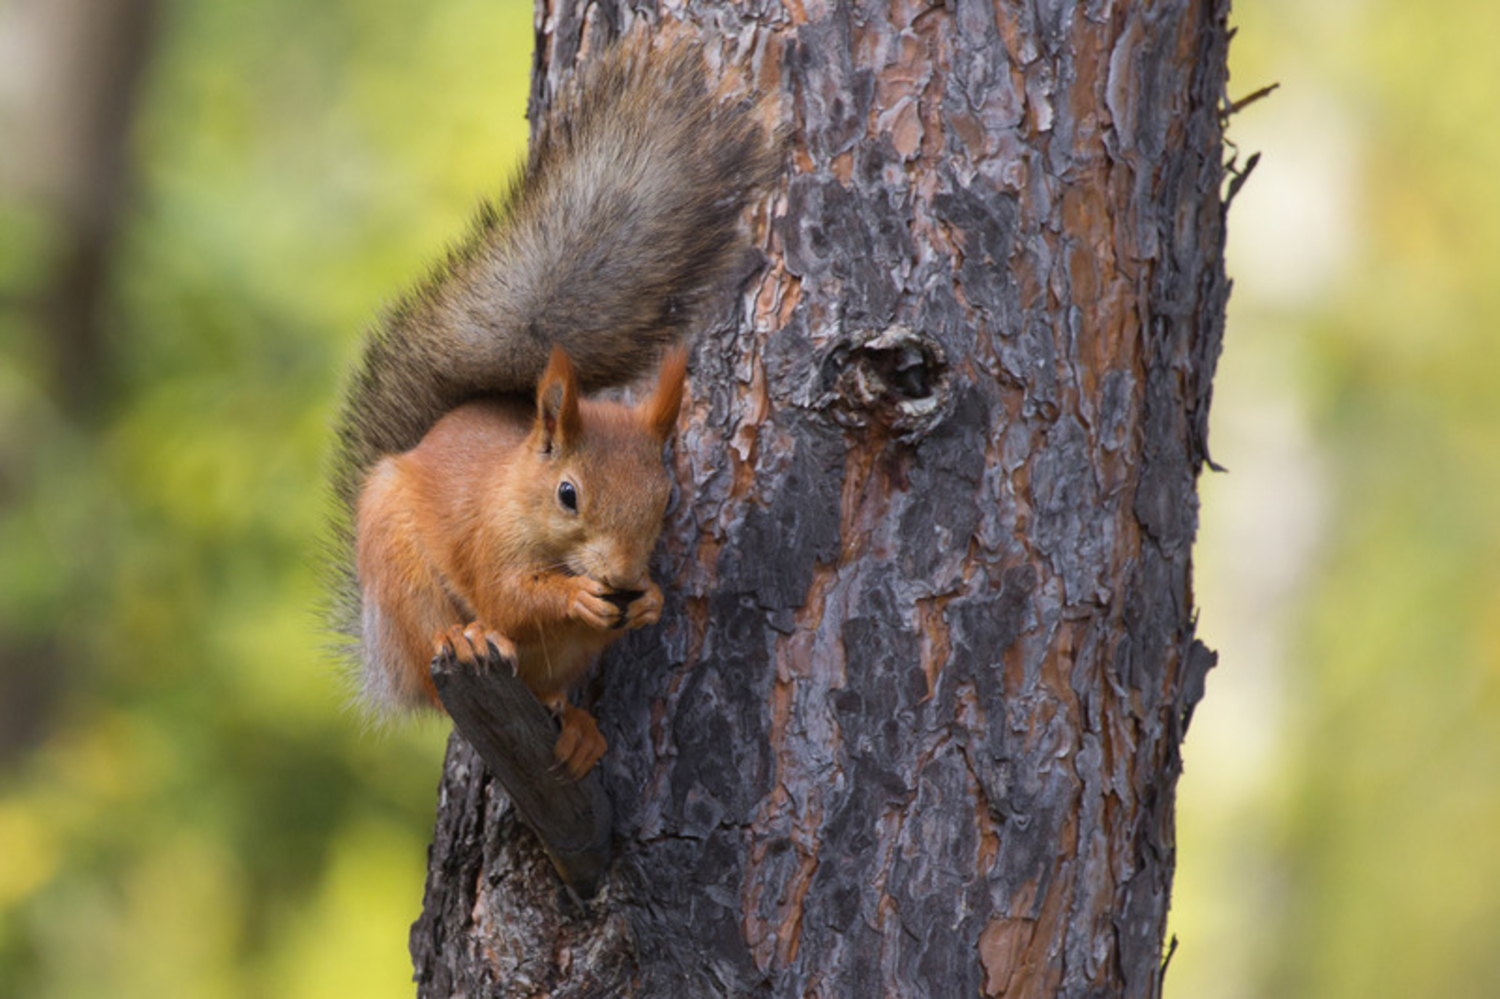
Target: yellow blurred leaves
(31, 854)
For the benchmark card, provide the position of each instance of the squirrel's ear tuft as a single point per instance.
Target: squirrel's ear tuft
(557, 403)
(661, 409)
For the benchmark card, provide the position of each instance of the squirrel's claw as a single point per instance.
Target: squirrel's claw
(475, 645)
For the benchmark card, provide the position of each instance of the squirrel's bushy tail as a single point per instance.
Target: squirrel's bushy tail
(623, 221)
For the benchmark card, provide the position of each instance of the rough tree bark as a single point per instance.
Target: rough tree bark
(911, 723)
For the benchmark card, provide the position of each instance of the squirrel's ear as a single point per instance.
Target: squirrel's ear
(661, 409)
(557, 403)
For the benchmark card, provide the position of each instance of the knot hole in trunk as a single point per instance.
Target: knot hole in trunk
(895, 378)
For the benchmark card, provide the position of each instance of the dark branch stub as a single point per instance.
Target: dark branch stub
(896, 378)
(514, 735)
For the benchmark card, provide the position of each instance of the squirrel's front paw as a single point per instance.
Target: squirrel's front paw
(473, 644)
(589, 602)
(644, 609)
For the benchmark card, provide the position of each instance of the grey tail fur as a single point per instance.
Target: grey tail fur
(623, 222)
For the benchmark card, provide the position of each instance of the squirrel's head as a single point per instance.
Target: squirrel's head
(602, 490)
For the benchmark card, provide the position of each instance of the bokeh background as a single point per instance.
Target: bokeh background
(202, 203)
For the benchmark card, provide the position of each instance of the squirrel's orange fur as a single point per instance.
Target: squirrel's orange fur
(465, 540)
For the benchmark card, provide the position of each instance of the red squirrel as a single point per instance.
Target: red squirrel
(512, 529)
(483, 501)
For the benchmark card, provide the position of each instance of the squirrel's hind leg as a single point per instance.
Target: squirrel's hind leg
(398, 651)
(404, 601)
(579, 742)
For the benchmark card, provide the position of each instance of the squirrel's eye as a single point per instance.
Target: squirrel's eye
(567, 495)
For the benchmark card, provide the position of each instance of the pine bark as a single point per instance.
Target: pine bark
(911, 723)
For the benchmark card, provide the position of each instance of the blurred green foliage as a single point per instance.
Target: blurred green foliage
(1363, 858)
(188, 805)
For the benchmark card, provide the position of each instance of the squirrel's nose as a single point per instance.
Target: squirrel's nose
(623, 582)
(627, 575)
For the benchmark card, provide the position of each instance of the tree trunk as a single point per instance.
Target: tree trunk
(910, 725)
(70, 79)
(67, 135)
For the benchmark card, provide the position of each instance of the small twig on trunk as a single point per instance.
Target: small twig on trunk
(1235, 107)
